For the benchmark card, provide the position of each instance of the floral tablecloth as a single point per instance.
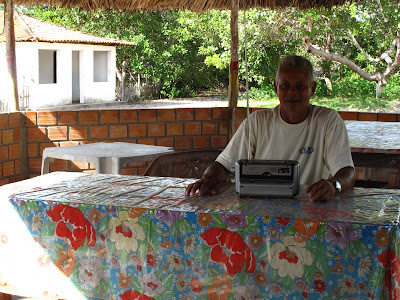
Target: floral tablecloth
(97, 236)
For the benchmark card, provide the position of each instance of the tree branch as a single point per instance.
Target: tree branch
(340, 59)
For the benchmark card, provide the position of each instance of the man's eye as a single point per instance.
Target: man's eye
(300, 86)
(285, 86)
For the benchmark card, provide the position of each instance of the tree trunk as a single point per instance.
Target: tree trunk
(379, 89)
(233, 68)
(10, 54)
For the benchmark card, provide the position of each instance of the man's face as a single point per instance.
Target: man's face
(294, 90)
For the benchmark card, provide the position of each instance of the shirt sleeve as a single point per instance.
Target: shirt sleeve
(337, 146)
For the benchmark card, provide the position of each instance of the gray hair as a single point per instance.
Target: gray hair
(295, 62)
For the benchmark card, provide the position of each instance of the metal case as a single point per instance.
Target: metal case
(267, 178)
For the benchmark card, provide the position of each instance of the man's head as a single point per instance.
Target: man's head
(294, 86)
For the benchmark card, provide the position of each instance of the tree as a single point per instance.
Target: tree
(363, 36)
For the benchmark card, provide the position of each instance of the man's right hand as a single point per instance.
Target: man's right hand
(214, 175)
(204, 186)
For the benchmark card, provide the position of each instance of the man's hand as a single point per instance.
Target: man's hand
(213, 176)
(322, 190)
(203, 186)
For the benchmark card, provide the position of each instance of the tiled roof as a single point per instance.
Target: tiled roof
(31, 29)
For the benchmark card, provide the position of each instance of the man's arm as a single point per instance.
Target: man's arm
(214, 175)
(323, 190)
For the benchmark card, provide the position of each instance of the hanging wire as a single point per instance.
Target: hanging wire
(247, 85)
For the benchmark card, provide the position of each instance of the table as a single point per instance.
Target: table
(374, 137)
(103, 236)
(108, 158)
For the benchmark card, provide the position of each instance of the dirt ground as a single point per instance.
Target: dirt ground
(207, 101)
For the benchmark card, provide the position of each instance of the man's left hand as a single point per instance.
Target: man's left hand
(320, 191)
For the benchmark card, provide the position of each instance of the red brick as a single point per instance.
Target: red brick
(118, 131)
(36, 134)
(17, 167)
(210, 127)
(15, 178)
(220, 113)
(201, 142)
(219, 141)
(130, 115)
(59, 165)
(30, 118)
(17, 132)
(192, 128)
(165, 115)
(137, 164)
(129, 171)
(147, 141)
(240, 113)
(109, 116)
(78, 132)
(142, 170)
(165, 141)
(183, 143)
(8, 136)
(387, 117)
(4, 181)
(203, 113)
(89, 116)
(349, 115)
(14, 119)
(174, 129)
(3, 153)
(157, 129)
(79, 165)
(33, 150)
(67, 117)
(68, 143)
(99, 132)
(138, 130)
(3, 120)
(14, 151)
(57, 133)
(184, 114)
(47, 118)
(364, 116)
(147, 115)
(42, 146)
(8, 168)
(223, 127)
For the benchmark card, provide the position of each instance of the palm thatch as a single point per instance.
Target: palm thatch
(192, 5)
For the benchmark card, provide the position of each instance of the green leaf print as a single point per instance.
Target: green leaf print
(318, 248)
(217, 221)
(377, 277)
(202, 254)
(287, 282)
(49, 229)
(309, 273)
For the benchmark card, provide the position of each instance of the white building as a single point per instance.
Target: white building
(58, 66)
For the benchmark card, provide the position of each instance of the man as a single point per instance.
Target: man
(314, 136)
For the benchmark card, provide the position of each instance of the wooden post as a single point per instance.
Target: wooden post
(10, 54)
(233, 68)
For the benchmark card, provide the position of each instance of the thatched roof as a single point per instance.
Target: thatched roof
(29, 29)
(192, 5)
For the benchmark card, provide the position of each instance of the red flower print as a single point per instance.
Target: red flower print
(283, 221)
(319, 285)
(230, 249)
(391, 264)
(151, 260)
(196, 285)
(133, 295)
(71, 224)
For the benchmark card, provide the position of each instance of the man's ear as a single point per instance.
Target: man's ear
(275, 87)
(313, 87)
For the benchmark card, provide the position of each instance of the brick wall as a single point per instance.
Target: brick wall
(10, 147)
(181, 128)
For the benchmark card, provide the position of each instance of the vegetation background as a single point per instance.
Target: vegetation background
(182, 54)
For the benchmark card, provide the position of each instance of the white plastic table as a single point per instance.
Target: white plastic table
(108, 158)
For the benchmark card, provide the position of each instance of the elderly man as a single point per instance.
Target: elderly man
(314, 136)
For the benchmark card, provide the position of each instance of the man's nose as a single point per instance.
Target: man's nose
(292, 89)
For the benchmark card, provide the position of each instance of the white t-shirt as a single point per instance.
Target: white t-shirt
(320, 143)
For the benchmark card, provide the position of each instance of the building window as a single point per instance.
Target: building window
(100, 66)
(47, 66)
